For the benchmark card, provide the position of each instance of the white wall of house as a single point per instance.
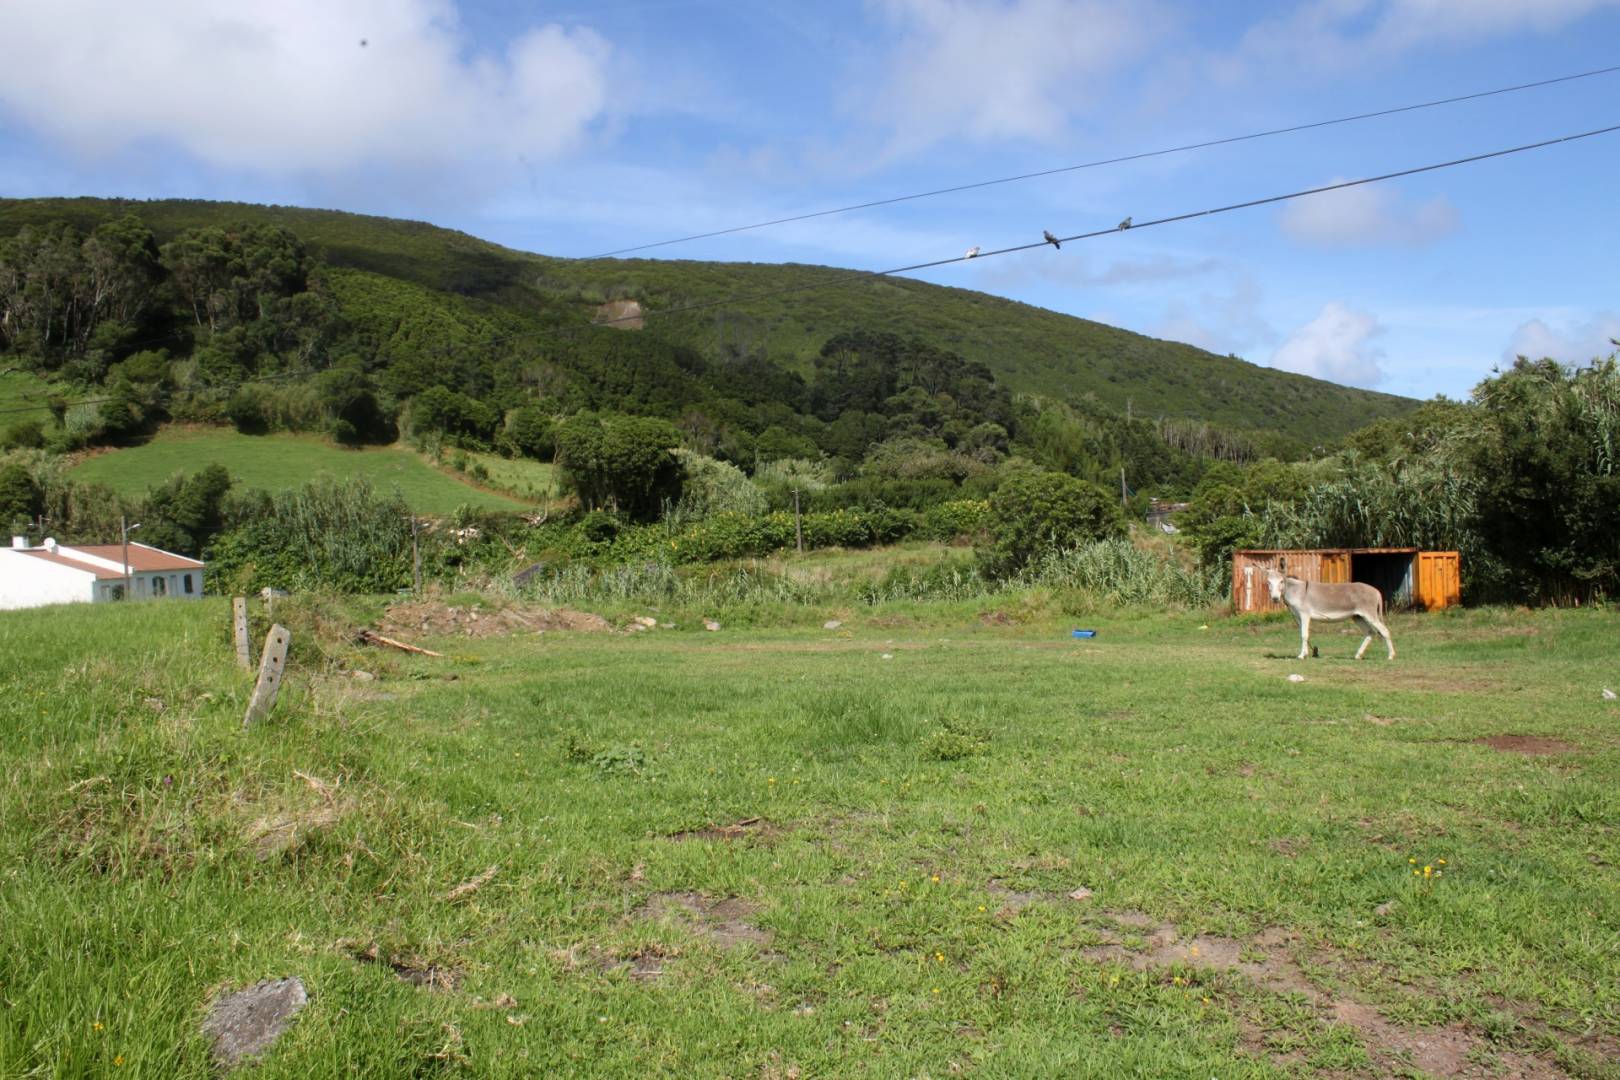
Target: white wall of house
(27, 582)
(164, 584)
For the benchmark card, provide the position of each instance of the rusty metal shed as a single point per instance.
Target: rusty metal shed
(1408, 577)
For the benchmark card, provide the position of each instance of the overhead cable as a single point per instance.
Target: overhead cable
(1111, 161)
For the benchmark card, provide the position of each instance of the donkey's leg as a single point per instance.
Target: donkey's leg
(1378, 624)
(1367, 629)
(1304, 634)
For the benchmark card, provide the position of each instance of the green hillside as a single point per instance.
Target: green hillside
(526, 298)
(282, 462)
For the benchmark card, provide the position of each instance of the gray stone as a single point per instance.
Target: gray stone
(249, 1021)
(832, 624)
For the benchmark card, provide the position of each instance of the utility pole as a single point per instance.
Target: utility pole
(1124, 496)
(124, 529)
(416, 560)
(798, 522)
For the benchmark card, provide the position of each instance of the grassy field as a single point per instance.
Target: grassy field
(523, 478)
(20, 391)
(277, 462)
(933, 841)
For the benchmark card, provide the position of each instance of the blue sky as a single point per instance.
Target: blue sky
(574, 128)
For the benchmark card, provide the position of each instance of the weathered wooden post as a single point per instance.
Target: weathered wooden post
(798, 523)
(416, 561)
(239, 621)
(270, 666)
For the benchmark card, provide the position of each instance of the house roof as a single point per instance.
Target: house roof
(141, 557)
(101, 572)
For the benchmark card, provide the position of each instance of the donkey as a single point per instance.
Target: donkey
(1331, 600)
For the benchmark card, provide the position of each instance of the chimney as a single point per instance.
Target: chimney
(19, 543)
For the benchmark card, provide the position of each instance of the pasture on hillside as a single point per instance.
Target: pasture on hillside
(281, 462)
(936, 840)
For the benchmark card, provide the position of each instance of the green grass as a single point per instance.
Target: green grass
(524, 478)
(279, 462)
(20, 392)
(921, 822)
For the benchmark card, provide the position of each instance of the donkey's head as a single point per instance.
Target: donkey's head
(1274, 582)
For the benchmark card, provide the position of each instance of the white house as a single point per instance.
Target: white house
(92, 573)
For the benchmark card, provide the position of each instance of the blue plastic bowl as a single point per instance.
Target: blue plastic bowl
(1085, 633)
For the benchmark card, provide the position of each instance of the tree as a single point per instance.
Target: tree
(1549, 495)
(621, 462)
(1036, 512)
(20, 497)
(186, 512)
(529, 429)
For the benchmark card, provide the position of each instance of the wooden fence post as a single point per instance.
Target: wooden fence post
(239, 622)
(275, 658)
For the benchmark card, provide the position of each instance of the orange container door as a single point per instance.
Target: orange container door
(1335, 566)
(1439, 583)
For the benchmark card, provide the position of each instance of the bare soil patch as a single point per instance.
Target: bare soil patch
(435, 619)
(1454, 1051)
(725, 922)
(1012, 900)
(1534, 745)
(737, 830)
(621, 314)
(408, 967)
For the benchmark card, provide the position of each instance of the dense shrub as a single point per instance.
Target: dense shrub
(712, 487)
(1035, 513)
(328, 534)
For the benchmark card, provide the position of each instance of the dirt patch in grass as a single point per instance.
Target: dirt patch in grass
(727, 923)
(1533, 745)
(737, 830)
(645, 965)
(434, 619)
(407, 967)
(1455, 1050)
(1012, 900)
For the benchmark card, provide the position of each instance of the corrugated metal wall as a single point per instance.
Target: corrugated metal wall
(1432, 579)
(1249, 592)
(1439, 579)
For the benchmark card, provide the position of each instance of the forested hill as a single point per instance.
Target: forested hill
(451, 279)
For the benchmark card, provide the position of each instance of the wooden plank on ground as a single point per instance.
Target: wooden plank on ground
(270, 667)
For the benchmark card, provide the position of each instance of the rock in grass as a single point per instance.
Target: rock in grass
(249, 1021)
(831, 624)
(710, 624)
(1296, 678)
(1608, 695)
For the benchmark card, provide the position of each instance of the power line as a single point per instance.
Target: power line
(844, 278)
(1111, 161)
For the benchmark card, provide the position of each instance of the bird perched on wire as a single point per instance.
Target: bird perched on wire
(1050, 239)
(972, 253)
(1125, 224)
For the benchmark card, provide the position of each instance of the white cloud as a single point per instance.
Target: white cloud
(1000, 69)
(1343, 34)
(1367, 216)
(1222, 322)
(1570, 342)
(1336, 346)
(301, 86)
